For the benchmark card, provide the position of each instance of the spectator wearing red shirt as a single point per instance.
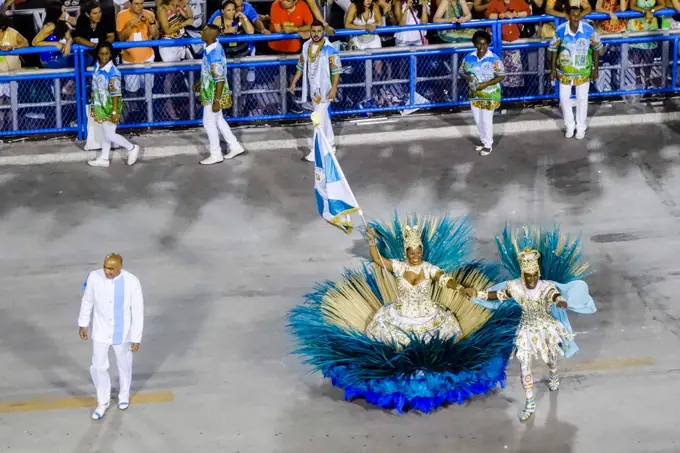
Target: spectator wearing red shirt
(507, 9)
(290, 16)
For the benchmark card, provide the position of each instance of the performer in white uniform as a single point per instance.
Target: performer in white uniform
(115, 297)
(320, 64)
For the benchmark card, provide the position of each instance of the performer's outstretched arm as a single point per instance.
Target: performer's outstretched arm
(375, 254)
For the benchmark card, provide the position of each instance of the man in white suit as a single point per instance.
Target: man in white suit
(115, 297)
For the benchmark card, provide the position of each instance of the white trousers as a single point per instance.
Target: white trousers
(326, 126)
(214, 122)
(100, 371)
(484, 121)
(581, 106)
(106, 132)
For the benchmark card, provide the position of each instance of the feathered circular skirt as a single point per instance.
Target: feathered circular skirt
(422, 375)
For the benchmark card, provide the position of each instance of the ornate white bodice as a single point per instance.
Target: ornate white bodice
(414, 301)
(536, 303)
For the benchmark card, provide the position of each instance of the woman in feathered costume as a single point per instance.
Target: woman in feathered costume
(547, 281)
(389, 335)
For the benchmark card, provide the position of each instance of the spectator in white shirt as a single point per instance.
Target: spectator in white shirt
(115, 297)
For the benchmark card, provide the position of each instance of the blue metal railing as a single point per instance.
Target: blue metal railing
(390, 79)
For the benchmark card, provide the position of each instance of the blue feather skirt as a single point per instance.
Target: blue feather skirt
(423, 375)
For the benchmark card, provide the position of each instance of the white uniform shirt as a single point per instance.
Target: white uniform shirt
(118, 307)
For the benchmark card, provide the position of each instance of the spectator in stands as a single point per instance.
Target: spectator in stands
(611, 7)
(232, 23)
(173, 16)
(512, 59)
(215, 96)
(408, 14)
(364, 15)
(56, 32)
(244, 8)
(10, 39)
(480, 7)
(90, 29)
(107, 105)
(484, 72)
(454, 12)
(136, 24)
(562, 8)
(290, 16)
(319, 68)
(574, 64)
(643, 53)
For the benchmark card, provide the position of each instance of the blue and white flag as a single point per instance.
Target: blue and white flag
(334, 199)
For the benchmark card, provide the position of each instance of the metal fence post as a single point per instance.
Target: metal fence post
(79, 71)
(674, 70)
(413, 73)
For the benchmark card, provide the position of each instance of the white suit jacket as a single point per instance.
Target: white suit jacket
(115, 306)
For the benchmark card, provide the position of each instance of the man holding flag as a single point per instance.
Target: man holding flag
(320, 64)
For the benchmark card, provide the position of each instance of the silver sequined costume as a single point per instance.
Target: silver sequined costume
(539, 334)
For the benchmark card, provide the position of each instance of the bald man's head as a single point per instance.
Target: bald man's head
(113, 264)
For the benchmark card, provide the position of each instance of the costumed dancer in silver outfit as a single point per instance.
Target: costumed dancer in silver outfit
(541, 335)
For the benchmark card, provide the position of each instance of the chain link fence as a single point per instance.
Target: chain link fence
(383, 80)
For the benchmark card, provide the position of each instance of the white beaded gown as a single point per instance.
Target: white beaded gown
(414, 311)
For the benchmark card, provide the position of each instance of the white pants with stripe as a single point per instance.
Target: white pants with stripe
(214, 124)
(100, 371)
(484, 121)
(581, 106)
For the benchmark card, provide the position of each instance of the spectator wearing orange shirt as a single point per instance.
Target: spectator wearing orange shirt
(136, 24)
(290, 16)
(512, 59)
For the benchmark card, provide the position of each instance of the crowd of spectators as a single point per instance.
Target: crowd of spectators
(170, 19)
(87, 22)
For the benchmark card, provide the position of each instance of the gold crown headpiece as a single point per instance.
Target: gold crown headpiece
(412, 237)
(528, 261)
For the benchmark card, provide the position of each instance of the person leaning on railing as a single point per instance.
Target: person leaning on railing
(561, 8)
(232, 23)
(290, 16)
(91, 29)
(10, 39)
(611, 7)
(173, 16)
(244, 8)
(364, 15)
(412, 12)
(454, 12)
(136, 24)
(56, 32)
(512, 58)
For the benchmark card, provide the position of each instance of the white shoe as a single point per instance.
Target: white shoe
(98, 162)
(478, 148)
(310, 157)
(235, 152)
(122, 405)
(133, 154)
(580, 135)
(100, 411)
(485, 151)
(569, 133)
(213, 159)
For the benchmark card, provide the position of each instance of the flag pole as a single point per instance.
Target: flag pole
(316, 120)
